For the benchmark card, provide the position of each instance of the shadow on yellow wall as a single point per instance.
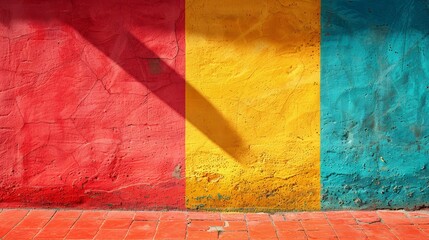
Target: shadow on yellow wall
(257, 62)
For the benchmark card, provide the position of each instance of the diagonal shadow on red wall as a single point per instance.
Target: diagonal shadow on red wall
(105, 28)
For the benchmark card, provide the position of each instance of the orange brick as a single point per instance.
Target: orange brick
(120, 215)
(289, 226)
(53, 232)
(173, 215)
(88, 223)
(233, 236)
(171, 229)
(204, 225)
(233, 226)
(147, 216)
(79, 233)
(67, 214)
(232, 216)
(257, 217)
(295, 235)
(21, 233)
(198, 235)
(116, 224)
(111, 234)
(203, 216)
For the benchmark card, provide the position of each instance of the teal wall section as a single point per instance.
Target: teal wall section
(375, 104)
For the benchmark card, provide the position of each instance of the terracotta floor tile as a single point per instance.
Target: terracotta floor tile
(292, 216)
(204, 225)
(391, 214)
(77, 224)
(424, 214)
(376, 233)
(79, 233)
(315, 221)
(120, 215)
(116, 224)
(338, 214)
(350, 221)
(277, 217)
(321, 234)
(4, 230)
(88, 223)
(232, 226)
(420, 221)
(9, 222)
(93, 215)
(140, 234)
(351, 234)
(259, 229)
(353, 237)
(61, 223)
(258, 217)
(171, 229)
(143, 225)
(296, 235)
(111, 234)
(74, 214)
(346, 227)
(147, 216)
(311, 215)
(408, 231)
(317, 227)
(203, 216)
(288, 226)
(53, 232)
(364, 214)
(397, 221)
(142, 230)
(41, 213)
(32, 222)
(233, 236)
(13, 213)
(369, 220)
(199, 235)
(21, 233)
(232, 216)
(173, 215)
(259, 234)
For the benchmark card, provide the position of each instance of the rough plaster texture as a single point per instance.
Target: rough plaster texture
(92, 103)
(375, 104)
(257, 62)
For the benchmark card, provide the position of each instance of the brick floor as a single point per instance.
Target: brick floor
(77, 224)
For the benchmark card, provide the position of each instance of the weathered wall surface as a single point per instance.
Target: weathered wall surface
(375, 104)
(92, 103)
(280, 105)
(258, 63)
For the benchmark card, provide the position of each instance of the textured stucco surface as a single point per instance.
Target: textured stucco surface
(257, 62)
(92, 103)
(287, 104)
(375, 104)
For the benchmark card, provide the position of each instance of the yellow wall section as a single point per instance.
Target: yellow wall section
(252, 104)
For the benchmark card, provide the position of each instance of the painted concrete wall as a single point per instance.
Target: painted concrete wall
(234, 105)
(257, 62)
(375, 104)
(92, 104)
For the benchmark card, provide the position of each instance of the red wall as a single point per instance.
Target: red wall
(92, 103)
